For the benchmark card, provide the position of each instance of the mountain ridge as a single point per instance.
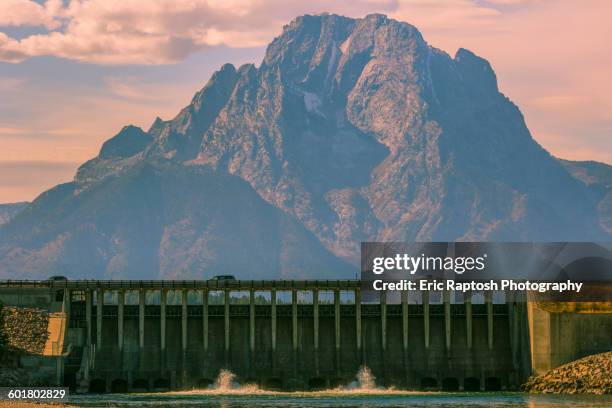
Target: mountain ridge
(355, 129)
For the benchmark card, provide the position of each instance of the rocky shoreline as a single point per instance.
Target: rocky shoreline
(588, 375)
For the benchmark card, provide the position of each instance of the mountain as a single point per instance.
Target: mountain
(8, 211)
(349, 130)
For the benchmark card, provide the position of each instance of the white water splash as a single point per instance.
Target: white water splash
(226, 381)
(364, 381)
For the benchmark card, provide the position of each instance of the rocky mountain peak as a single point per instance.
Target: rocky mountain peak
(128, 142)
(349, 130)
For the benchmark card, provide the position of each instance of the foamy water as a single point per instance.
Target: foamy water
(226, 380)
(364, 383)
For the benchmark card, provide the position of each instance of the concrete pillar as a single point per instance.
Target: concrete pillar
(468, 318)
(67, 303)
(447, 319)
(162, 314)
(405, 360)
(337, 327)
(513, 330)
(141, 317)
(273, 318)
(59, 371)
(252, 320)
(315, 318)
(358, 317)
(120, 317)
(88, 298)
(404, 296)
(273, 329)
(226, 316)
(383, 319)
(205, 319)
(99, 313)
(489, 304)
(294, 320)
(426, 317)
(184, 296)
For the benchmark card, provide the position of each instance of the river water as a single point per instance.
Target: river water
(362, 392)
(332, 399)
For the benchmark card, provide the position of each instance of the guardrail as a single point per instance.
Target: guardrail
(183, 284)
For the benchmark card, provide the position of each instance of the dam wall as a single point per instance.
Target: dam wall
(303, 335)
(145, 336)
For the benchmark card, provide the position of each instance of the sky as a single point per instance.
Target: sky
(74, 72)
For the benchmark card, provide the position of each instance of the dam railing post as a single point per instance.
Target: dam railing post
(315, 318)
(489, 303)
(226, 317)
(468, 318)
(99, 312)
(337, 328)
(426, 318)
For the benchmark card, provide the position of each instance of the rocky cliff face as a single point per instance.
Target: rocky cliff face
(349, 130)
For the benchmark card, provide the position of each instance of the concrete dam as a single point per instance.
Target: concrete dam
(288, 335)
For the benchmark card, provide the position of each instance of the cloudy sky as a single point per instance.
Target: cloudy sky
(73, 72)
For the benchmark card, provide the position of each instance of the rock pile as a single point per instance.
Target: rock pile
(25, 329)
(588, 375)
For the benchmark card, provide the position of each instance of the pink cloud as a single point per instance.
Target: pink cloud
(161, 31)
(29, 13)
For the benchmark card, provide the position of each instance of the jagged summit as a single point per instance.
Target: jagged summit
(349, 130)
